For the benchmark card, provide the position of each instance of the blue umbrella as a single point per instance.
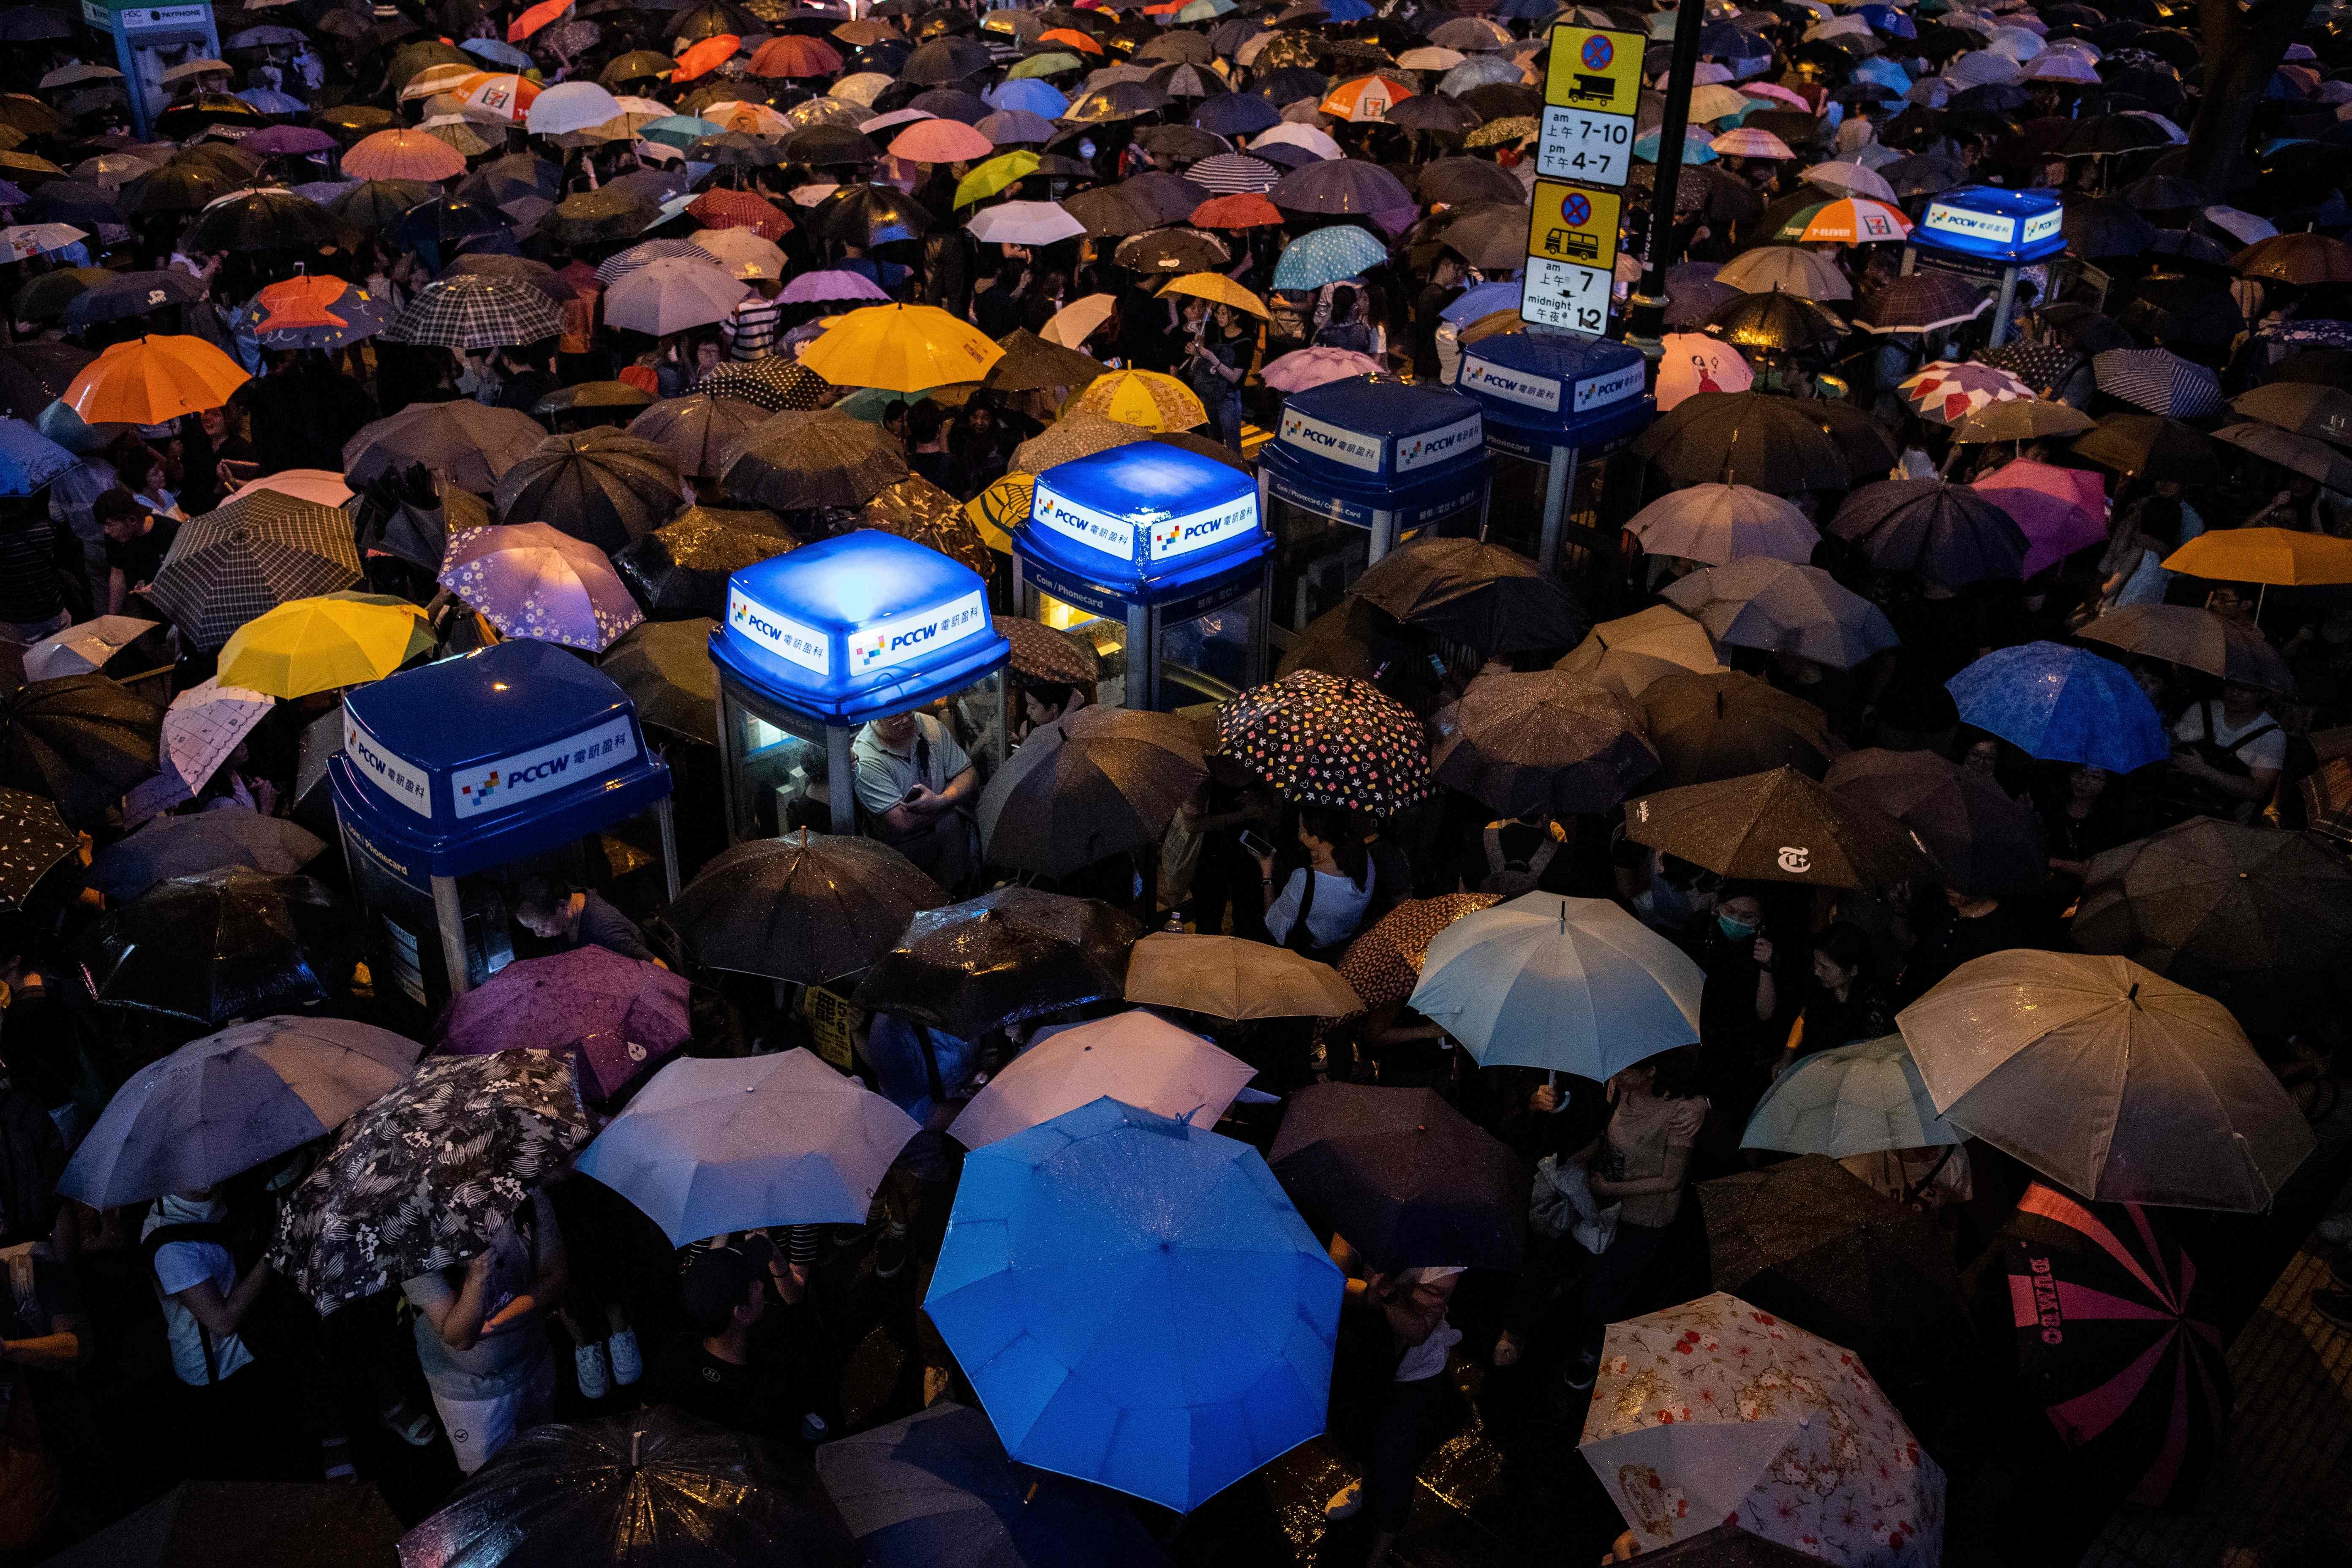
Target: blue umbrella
(2062, 705)
(1137, 1303)
(1481, 299)
(29, 459)
(1328, 256)
(679, 131)
(1694, 147)
(1030, 93)
(496, 53)
(1889, 21)
(1346, 10)
(1884, 72)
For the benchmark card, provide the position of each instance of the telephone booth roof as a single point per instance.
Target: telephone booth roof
(491, 758)
(1145, 523)
(1365, 432)
(858, 628)
(1557, 389)
(2013, 228)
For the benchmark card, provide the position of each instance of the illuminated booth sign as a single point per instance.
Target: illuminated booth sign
(1553, 402)
(1984, 223)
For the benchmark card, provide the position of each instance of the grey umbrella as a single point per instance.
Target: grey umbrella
(227, 1102)
(207, 841)
(1098, 781)
(1545, 744)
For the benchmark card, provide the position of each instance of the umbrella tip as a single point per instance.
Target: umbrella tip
(2133, 996)
(636, 1441)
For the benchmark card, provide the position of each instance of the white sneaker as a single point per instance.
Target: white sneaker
(627, 1364)
(1346, 1503)
(588, 1362)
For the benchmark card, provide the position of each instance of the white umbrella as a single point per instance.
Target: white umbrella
(1023, 223)
(1862, 1099)
(2060, 64)
(1079, 319)
(2244, 226)
(27, 240)
(860, 87)
(1576, 985)
(1718, 523)
(672, 295)
(1851, 180)
(1137, 1059)
(309, 484)
(1428, 58)
(82, 647)
(204, 725)
(1304, 137)
(570, 106)
(743, 253)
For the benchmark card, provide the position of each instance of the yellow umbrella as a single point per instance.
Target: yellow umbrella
(1218, 290)
(317, 644)
(997, 175)
(997, 510)
(901, 348)
(149, 381)
(1140, 397)
(2264, 555)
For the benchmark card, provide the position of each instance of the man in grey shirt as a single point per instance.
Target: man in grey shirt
(918, 786)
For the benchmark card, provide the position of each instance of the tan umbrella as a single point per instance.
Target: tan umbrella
(1227, 977)
(1072, 437)
(2108, 1078)
(1627, 654)
(1807, 273)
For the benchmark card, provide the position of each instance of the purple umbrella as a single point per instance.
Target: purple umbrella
(815, 288)
(530, 581)
(621, 1016)
(288, 141)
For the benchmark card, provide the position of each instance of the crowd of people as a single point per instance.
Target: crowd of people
(2001, 569)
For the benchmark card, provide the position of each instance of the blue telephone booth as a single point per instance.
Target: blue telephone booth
(1157, 557)
(1557, 405)
(1356, 468)
(148, 41)
(459, 769)
(1983, 231)
(821, 641)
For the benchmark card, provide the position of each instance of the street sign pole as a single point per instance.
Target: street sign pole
(1646, 320)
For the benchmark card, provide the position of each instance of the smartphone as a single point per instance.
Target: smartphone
(1256, 846)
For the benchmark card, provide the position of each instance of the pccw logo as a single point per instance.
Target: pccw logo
(476, 794)
(867, 650)
(1164, 534)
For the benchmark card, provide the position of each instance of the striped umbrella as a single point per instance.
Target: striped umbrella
(1233, 174)
(2158, 381)
(1366, 99)
(470, 312)
(1748, 141)
(1946, 392)
(616, 268)
(1854, 220)
(497, 95)
(247, 557)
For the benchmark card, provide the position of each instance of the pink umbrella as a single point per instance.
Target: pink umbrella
(1771, 89)
(621, 1016)
(1694, 363)
(530, 581)
(941, 141)
(822, 288)
(1302, 368)
(1748, 141)
(2061, 510)
(308, 484)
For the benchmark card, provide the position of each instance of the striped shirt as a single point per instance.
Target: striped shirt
(752, 327)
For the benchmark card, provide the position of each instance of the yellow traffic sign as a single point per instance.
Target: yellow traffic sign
(1595, 70)
(1574, 222)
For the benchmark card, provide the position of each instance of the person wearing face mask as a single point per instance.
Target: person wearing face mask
(1740, 1021)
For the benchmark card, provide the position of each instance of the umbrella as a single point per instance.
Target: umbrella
(1940, 531)
(797, 461)
(901, 348)
(1045, 653)
(2115, 1342)
(2019, 419)
(728, 209)
(1807, 274)
(468, 311)
(1718, 1410)
(82, 647)
(405, 155)
(2158, 381)
(1946, 392)
(1811, 1243)
(1709, 726)
(1866, 1098)
(1136, 1059)
(808, 908)
(1025, 223)
(672, 296)
(652, 1485)
(1756, 601)
(1575, 985)
(681, 568)
(530, 581)
(1743, 438)
(131, 294)
(773, 382)
(1779, 826)
(1325, 740)
(710, 1147)
(79, 740)
(222, 945)
(1981, 839)
(1626, 655)
(697, 430)
(2183, 635)
(2296, 454)
(152, 381)
(2265, 555)
(1409, 1181)
(1143, 399)
(938, 1487)
(601, 487)
(1185, 250)
(230, 1101)
(1924, 302)
(2298, 258)
(1227, 977)
(1101, 1340)
(1232, 174)
(1332, 254)
(245, 1524)
(32, 376)
(190, 845)
(2301, 408)
(1469, 591)
(1012, 954)
(2060, 510)
(2062, 704)
(33, 839)
(2107, 1077)
(1088, 786)
(469, 444)
(263, 219)
(203, 727)
(2151, 446)
(1302, 369)
(248, 556)
(1543, 744)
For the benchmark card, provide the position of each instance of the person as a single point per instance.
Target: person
(1399, 1338)
(524, 380)
(42, 1341)
(2132, 570)
(1641, 1163)
(572, 916)
(1044, 701)
(1216, 358)
(479, 1334)
(40, 564)
(715, 1369)
(1323, 903)
(185, 1238)
(137, 540)
(2081, 818)
(927, 444)
(751, 328)
(303, 411)
(1980, 923)
(2228, 756)
(1344, 329)
(1847, 1001)
(1447, 278)
(916, 784)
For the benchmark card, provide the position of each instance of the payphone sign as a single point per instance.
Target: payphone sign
(145, 18)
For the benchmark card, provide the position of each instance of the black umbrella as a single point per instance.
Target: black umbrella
(1543, 744)
(696, 429)
(1779, 826)
(1480, 596)
(664, 668)
(1456, 181)
(1145, 202)
(2177, 311)
(823, 146)
(33, 839)
(1861, 440)
(502, 180)
(943, 61)
(1985, 841)
(797, 461)
(468, 443)
(1237, 114)
(81, 740)
(1172, 251)
(1775, 323)
(1940, 531)
(1744, 438)
(2301, 407)
(73, 202)
(1031, 364)
(35, 374)
(2148, 445)
(681, 568)
(734, 150)
(247, 1524)
(1409, 1181)
(372, 204)
(599, 486)
(1359, 641)
(131, 294)
(2098, 228)
(870, 215)
(1088, 786)
(589, 218)
(193, 844)
(2185, 634)
(1709, 727)
(177, 187)
(265, 219)
(807, 907)
(227, 944)
(1010, 954)
(1811, 1243)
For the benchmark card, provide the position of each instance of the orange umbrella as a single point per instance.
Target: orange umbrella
(1071, 37)
(1245, 210)
(301, 300)
(501, 93)
(149, 380)
(537, 17)
(702, 58)
(941, 142)
(403, 155)
(1366, 99)
(796, 55)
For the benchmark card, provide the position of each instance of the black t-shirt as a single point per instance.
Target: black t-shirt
(1959, 941)
(740, 1398)
(139, 558)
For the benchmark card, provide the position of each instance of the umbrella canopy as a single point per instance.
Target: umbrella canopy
(321, 644)
(1143, 399)
(1626, 655)
(1228, 977)
(2117, 1341)
(1946, 392)
(1939, 531)
(1044, 653)
(1409, 1181)
(79, 740)
(403, 155)
(1807, 274)
(1575, 985)
(2268, 556)
(2296, 454)
(2148, 445)
(710, 1147)
(2020, 419)
(2301, 408)
(696, 429)
(1719, 1410)
(1031, 364)
(621, 1016)
(1136, 1059)
(1302, 369)
(901, 348)
(1719, 726)
(1542, 744)
(1743, 438)
(601, 487)
(1779, 826)
(530, 581)
(807, 908)
(2062, 704)
(152, 381)
(681, 568)
(248, 557)
(2197, 639)
(222, 945)
(33, 839)
(467, 443)
(1982, 838)
(1104, 1343)
(207, 841)
(801, 459)
(230, 1101)
(1088, 785)
(1866, 1098)
(2059, 510)
(1469, 591)
(2158, 381)
(1326, 740)
(85, 646)
(1762, 603)
(468, 311)
(672, 296)
(997, 959)
(241, 1524)
(2107, 1077)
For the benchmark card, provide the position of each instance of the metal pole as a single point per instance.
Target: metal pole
(1142, 661)
(2001, 308)
(731, 788)
(667, 823)
(1646, 321)
(841, 779)
(451, 919)
(1559, 478)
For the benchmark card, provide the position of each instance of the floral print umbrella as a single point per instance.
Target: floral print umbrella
(422, 1178)
(1325, 740)
(1946, 392)
(1827, 1467)
(530, 581)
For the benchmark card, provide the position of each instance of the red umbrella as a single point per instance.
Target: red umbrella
(1245, 210)
(2061, 510)
(740, 209)
(537, 17)
(702, 58)
(793, 54)
(941, 142)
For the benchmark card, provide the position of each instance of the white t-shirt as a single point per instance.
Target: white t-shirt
(2270, 752)
(183, 1266)
(1339, 905)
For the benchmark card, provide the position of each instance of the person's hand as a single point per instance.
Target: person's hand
(479, 1267)
(1544, 1099)
(1763, 952)
(919, 797)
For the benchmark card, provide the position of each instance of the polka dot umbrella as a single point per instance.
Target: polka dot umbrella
(1325, 740)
